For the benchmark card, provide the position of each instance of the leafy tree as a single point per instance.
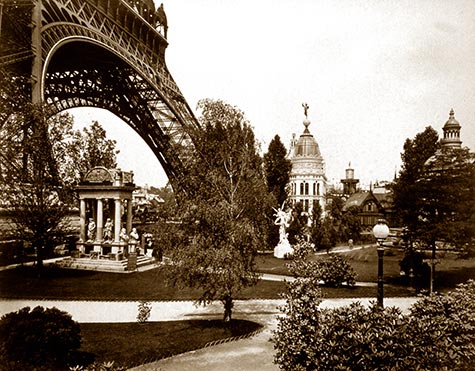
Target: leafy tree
(352, 223)
(32, 191)
(416, 152)
(97, 150)
(223, 215)
(79, 151)
(446, 199)
(277, 169)
(39, 158)
(435, 194)
(316, 226)
(298, 223)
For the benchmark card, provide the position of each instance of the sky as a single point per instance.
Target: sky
(373, 73)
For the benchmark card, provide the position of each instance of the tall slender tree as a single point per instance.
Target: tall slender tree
(277, 169)
(223, 215)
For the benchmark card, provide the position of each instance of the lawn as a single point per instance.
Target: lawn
(132, 344)
(450, 269)
(70, 284)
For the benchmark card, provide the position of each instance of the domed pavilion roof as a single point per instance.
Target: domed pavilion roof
(307, 145)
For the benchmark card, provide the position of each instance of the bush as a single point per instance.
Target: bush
(333, 270)
(438, 334)
(41, 338)
(144, 309)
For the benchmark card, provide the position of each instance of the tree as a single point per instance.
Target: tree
(277, 169)
(97, 150)
(32, 191)
(41, 161)
(316, 230)
(435, 194)
(223, 213)
(298, 223)
(416, 152)
(446, 199)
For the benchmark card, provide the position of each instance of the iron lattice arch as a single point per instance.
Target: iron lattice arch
(106, 54)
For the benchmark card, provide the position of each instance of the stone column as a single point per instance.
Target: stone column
(82, 220)
(100, 221)
(116, 220)
(129, 216)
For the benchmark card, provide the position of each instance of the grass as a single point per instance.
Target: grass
(70, 284)
(450, 270)
(132, 344)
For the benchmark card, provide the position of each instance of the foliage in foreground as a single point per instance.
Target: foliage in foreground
(437, 334)
(37, 339)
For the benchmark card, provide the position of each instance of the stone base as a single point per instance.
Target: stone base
(283, 249)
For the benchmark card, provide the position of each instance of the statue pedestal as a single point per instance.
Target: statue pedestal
(282, 249)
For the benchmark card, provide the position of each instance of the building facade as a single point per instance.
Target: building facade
(308, 182)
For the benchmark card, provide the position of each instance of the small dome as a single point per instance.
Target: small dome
(307, 145)
(452, 123)
(451, 132)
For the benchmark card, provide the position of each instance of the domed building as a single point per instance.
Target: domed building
(308, 182)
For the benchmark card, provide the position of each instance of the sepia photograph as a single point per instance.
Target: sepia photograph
(214, 185)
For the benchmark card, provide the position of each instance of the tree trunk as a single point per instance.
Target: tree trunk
(432, 270)
(39, 258)
(228, 306)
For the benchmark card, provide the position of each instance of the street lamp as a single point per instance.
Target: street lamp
(380, 232)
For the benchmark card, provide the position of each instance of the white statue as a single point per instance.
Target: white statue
(91, 230)
(282, 220)
(108, 229)
(283, 248)
(134, 235)
(123, 235)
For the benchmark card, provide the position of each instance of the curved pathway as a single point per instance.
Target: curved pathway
(255, 353)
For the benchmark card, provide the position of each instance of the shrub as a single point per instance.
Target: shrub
(38, 338)
(333, 270)
(438, 334)
(144, 309)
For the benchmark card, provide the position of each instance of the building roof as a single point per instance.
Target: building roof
(307, 146)
(359, 199)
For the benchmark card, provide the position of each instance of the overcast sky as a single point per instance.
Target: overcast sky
(373, 73)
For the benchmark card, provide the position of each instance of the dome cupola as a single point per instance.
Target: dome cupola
(451, 132)
(307, 145)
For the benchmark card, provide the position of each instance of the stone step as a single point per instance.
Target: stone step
(103, 265)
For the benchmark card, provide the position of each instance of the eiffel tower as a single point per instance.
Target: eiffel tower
(107, 54)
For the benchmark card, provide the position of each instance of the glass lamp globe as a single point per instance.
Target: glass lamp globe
(381, 230)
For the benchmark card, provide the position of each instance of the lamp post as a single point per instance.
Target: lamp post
(380, 232)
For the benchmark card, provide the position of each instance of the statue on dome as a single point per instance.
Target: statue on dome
(305, 109)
